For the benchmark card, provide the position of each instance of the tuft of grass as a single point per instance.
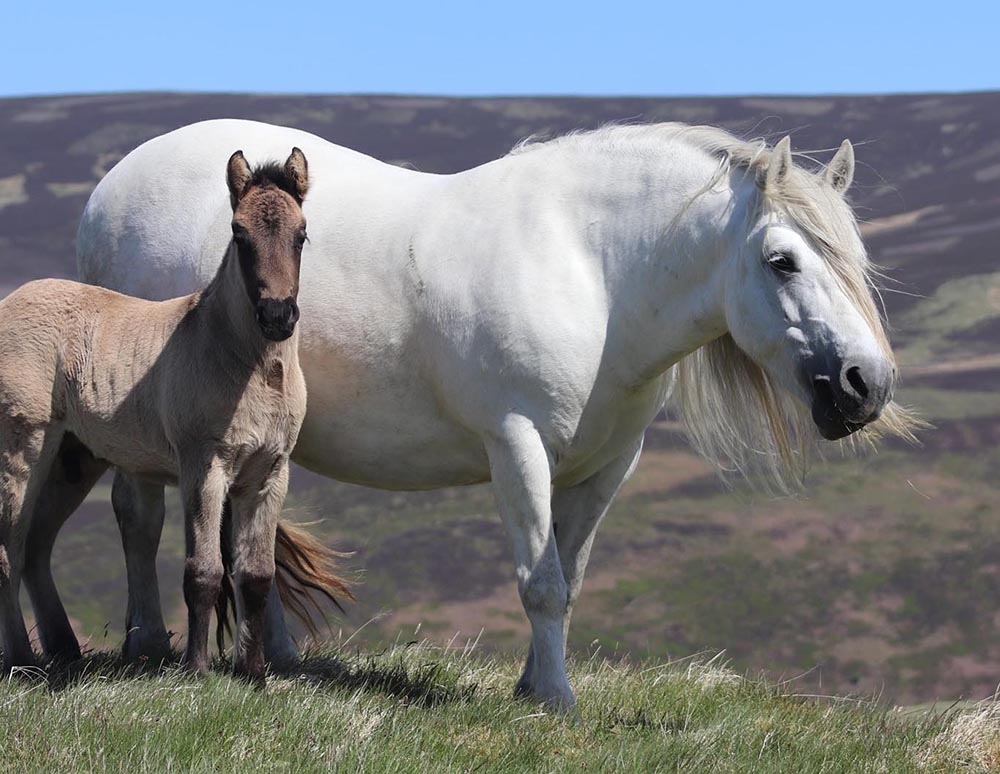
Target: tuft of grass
(420, 708)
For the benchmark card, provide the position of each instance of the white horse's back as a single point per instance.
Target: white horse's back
(430, 303)
(157, 226)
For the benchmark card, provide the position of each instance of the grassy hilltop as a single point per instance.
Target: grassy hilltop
(418, 709)
(883, 579)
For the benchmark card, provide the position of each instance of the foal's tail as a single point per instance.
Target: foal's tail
(303, 565)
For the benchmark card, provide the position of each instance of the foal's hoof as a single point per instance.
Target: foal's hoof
(148, 650)
(253, 677)
(196, 668)
(64, 655)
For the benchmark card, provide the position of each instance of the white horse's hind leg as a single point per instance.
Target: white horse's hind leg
(279, 647)
(577, 512)
(519, 466)
(139, 510)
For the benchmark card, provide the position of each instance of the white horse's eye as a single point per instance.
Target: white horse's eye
(782, 263)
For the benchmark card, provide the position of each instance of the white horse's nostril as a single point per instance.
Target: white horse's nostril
(857, 381)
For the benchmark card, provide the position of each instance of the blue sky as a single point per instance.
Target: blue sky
(613, 47)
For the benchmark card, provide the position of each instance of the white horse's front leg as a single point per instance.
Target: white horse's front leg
(577, 512)
(522, 482)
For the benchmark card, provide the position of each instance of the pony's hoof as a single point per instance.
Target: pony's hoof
(196, 668)
(253, 677)
(65, 654)
(149, 650)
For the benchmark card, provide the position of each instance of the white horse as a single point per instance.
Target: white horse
(522, 322)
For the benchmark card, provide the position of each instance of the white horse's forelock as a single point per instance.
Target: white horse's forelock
(732, 411)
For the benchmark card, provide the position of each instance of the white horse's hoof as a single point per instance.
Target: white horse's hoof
(558, 698)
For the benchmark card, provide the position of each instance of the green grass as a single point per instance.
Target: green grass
(422, 709)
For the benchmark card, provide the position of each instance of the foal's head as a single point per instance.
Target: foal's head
(269, 232)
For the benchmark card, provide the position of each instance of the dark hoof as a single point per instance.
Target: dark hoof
(65, 655)
(151, 651)
(252, 677)
(557, 698)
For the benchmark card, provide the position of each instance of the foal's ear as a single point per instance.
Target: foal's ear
(297, 168)
(779, 164)
(237, 177)
(840, 172)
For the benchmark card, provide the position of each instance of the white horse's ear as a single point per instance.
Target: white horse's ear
(297, 168)
(779, 164)
(238, 177)
(840, 172)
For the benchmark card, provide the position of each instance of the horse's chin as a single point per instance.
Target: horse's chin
(831, 423)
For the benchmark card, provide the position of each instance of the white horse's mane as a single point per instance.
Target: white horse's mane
(733, 412)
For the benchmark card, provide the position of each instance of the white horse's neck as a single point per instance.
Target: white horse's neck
(663, 240)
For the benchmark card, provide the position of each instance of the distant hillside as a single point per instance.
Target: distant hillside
(886, 576)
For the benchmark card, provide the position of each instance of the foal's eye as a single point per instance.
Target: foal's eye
(782, 263)
(300, 239)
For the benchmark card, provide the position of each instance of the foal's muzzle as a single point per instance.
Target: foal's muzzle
(277, 318)
(849, 396)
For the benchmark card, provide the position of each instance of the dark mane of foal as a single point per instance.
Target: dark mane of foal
(274, 173)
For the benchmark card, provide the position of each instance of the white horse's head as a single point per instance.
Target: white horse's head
(800, 305)
(806, 349)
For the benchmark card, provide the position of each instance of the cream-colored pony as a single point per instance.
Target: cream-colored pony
(204, 391)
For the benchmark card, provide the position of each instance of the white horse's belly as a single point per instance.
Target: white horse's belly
(382, 430)
(399, 441)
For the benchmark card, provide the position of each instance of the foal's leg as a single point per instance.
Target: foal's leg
(255, 518)
(139, 510)
(203, 489)
(577, 513)
(72, 475)
(520, 469)
(24, 461)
